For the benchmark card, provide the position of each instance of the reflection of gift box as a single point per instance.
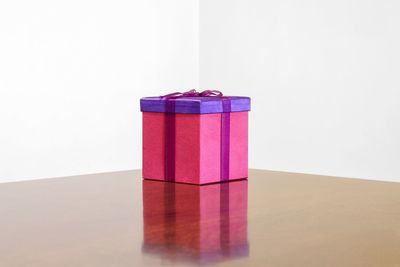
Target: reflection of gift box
(195, 138)
(205, 223)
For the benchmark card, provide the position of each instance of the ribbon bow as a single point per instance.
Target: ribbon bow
(194, 93)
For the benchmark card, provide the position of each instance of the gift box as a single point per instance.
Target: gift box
(204, 224)
(195, 137)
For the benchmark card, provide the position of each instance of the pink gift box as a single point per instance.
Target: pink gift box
(200, 223)
(195, 139)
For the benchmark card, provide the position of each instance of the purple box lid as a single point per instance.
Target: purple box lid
(195, 105)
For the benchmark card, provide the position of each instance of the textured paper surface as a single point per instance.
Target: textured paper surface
(197, 147)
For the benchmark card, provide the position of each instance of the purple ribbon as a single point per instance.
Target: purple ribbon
(193, 93)
(170, 131)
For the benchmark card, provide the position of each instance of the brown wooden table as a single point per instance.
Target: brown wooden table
(274, 219)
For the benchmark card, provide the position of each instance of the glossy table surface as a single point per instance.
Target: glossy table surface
(273, 219)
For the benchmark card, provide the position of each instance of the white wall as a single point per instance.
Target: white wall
(72, 73)
(323, 75)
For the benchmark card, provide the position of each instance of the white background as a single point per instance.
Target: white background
(323, 76)
(72, 73)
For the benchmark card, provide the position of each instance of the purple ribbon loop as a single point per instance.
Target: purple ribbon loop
(193, 93)
(170, 131)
